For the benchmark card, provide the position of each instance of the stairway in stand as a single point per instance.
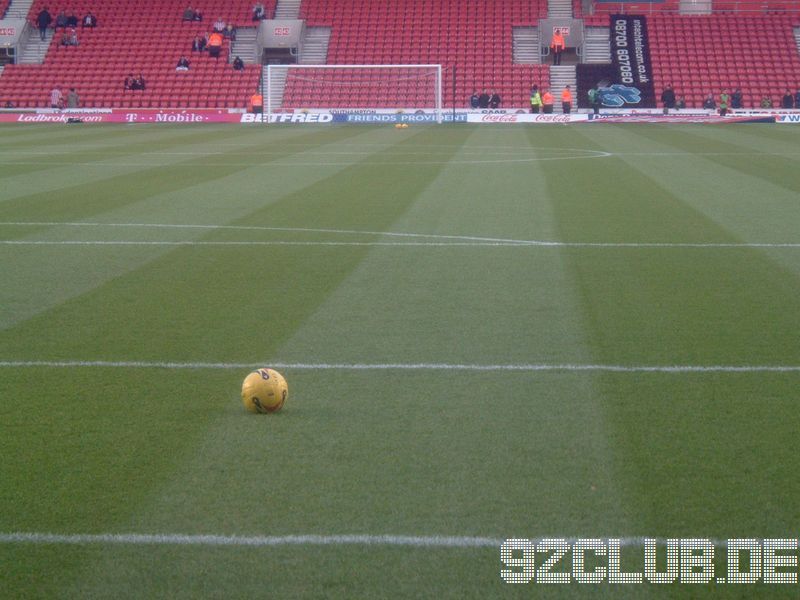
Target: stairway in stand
(34, 49)
(597, 45)
(526, 45)
(274, 98)
(559, 8)
(315, 46)
(245, 44)
(19, 9)
(797, 38)
(287, 9)
(560, 77)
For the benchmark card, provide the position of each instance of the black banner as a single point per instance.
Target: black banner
(630, 55)
(628, 81)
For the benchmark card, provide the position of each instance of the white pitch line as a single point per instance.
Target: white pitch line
(535, 244)
(166, 539)
(408, 366)
(258, 541)
(234, 243)
(281, 165)
(473, 240)
(437, 236)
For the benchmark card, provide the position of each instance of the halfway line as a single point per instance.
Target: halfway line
(441, 239)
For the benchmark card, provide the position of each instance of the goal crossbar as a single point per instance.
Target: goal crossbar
(435, 69)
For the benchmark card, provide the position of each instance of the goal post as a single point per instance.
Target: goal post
(353, 87)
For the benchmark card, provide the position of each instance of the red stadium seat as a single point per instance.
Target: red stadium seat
(146, 36)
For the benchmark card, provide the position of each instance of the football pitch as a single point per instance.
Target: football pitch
(488, 332)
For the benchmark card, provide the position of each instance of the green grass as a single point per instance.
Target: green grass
(419, 452)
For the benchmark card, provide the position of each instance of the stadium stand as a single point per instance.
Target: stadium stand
(706, 54)
(753, 49)
(474, 37)
(146, 36)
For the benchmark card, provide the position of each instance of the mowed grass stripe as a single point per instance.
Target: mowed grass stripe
(77, 197)
(410, 452)
(238, 270)
(751, 208)
(677, 443)
(75, 154)
(235, 303)
(723, 149)
(472, 307)
(40, 280)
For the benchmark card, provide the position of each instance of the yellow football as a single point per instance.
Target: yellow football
(264, 391)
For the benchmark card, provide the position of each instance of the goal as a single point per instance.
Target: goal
(353, 87)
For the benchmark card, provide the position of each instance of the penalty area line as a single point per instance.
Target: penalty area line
(408, 366)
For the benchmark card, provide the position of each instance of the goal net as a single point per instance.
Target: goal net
(325, 87)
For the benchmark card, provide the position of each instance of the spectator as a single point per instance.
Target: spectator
(766, 102)
(129, 82)
(681, 103)
(138, 83)
(736, 99)
(259, 13)
(72, 99)
(797, 99)
(56, 98)
(709, 103)
(668, 98)
(557, 45)
(474, 100)
(72, 20)
(61, 20)
(483, 100)
(788, 100)
(566, 100)
(9, 104)
(89, 21)
(723, 103)
(215, 44)
(229, 32)
(547, 102)
(219, 25)
(183, 64)
(238, 64)
(198, 16)
(188, 14)
(198, 43)
(494, 100)
(536, 100)
(595, 98)
(43, 20)
(69, 38)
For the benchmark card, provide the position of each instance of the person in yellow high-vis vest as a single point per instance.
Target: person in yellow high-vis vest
(536, 100)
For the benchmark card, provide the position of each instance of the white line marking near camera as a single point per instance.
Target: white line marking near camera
(427, 541)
